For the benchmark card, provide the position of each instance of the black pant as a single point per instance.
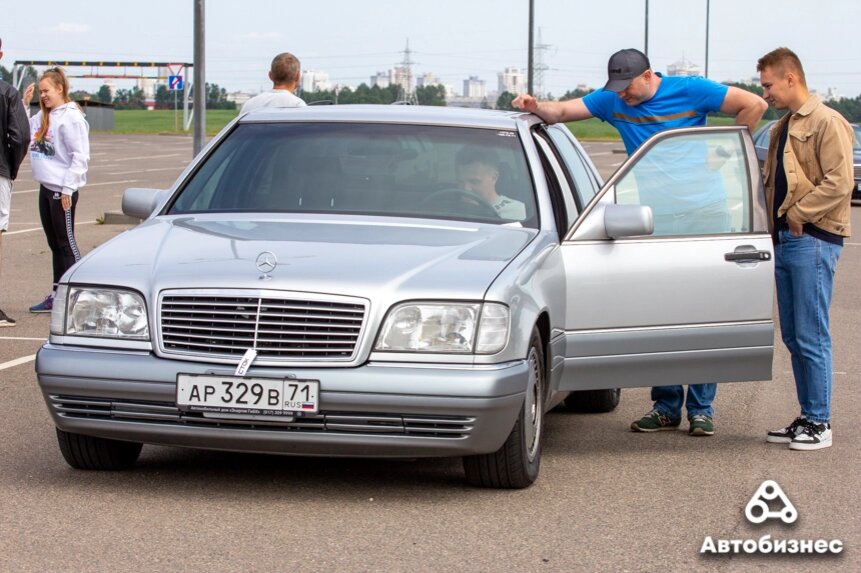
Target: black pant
(59, 227)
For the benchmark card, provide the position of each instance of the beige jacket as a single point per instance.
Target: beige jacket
(817, 160)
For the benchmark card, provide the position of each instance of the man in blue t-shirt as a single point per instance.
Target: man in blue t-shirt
(639, 103)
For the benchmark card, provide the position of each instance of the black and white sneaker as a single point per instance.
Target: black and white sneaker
(785, 435)
(6, 320)
(812, 437)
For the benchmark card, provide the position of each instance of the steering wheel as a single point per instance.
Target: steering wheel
(460, 201)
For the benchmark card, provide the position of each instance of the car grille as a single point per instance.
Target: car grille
(323, 422)
(858, 172)
(280, 329)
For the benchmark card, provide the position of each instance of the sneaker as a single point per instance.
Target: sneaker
(701, 425)
(812, 437)
(785, 435)
(5, 320)
(46, 305)
(654, 421)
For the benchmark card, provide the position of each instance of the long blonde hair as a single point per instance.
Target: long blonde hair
(57, 77)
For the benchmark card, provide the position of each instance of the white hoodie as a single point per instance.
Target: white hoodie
(60, 161)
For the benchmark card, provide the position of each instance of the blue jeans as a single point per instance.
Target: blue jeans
(804, 274)
(668, 399)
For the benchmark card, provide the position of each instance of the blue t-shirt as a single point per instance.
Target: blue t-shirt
(679, 102)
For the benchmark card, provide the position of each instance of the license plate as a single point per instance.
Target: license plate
(244, 395)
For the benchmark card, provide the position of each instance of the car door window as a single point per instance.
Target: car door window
(565, 209)
(695, 184)
(582, 179)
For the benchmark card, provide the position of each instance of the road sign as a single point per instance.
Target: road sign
(174, 83)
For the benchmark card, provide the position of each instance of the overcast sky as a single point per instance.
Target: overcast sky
(453, 39)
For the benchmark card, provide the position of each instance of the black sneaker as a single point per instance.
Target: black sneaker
(785, 435)
(812, 437)
(6, 320)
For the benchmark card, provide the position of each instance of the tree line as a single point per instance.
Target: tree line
(216, 96)
(425, 95)
(132, 98)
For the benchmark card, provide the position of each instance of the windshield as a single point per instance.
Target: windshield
(363, 168)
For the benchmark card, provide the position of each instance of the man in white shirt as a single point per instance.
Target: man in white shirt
(284, 74)
(478, 172)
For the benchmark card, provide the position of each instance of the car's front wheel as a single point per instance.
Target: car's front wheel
(89, 453)
(515, 465)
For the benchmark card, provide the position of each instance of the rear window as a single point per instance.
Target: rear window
(365, 168)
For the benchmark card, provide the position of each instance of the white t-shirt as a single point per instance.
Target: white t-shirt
(273, 98)
(509, 208)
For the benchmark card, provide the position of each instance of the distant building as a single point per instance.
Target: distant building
(684, 68)
(474, 88)
(381, 79)
(831, 94)
(111, 87)
(313, 81)
(513, 81)
(147, 86)
(427, 79)
(461, 101)
(239, 98)
(402, 76)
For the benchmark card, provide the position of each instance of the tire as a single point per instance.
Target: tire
(593, 401)
(515, 465)
(89, 453)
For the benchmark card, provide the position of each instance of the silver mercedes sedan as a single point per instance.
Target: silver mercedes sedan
(397, 281)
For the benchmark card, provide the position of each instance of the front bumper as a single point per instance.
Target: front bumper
(375, 410)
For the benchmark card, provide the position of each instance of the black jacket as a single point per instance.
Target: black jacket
(14, 131)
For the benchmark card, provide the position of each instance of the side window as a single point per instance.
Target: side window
(581, 178)
(564, 207)
(696, 184)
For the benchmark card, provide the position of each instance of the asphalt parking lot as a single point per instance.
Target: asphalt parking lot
(607, 499)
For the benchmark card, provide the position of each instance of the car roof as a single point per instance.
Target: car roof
(409, 114)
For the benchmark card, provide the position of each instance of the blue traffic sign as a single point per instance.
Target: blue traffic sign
(174, 83)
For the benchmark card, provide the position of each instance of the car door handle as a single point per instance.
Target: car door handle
(747, 256)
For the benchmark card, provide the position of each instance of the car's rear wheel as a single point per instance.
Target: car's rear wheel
(593, 401)
(89, 453)
(515, 465)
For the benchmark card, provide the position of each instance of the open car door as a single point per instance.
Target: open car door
(670, 268)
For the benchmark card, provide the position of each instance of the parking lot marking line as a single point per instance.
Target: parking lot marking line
(43, 339)
(147, 157)
(88, 185)
(40, 228)
(144, 170)
(17, 362)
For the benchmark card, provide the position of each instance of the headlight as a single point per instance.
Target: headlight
(445, 327)
(103, 313)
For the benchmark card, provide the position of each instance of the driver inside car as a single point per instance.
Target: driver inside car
(478, 172)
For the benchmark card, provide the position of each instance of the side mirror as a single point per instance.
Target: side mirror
(140, 203)
(628, 220)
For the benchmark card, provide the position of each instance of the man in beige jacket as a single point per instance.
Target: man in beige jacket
(808, 188)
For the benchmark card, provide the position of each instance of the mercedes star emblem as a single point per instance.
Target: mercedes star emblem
(266, 263)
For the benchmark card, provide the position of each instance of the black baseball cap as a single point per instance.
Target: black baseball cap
(624, 66)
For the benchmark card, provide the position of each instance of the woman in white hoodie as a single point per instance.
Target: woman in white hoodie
(59, 154)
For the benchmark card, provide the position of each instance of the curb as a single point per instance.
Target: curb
(118, 218)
